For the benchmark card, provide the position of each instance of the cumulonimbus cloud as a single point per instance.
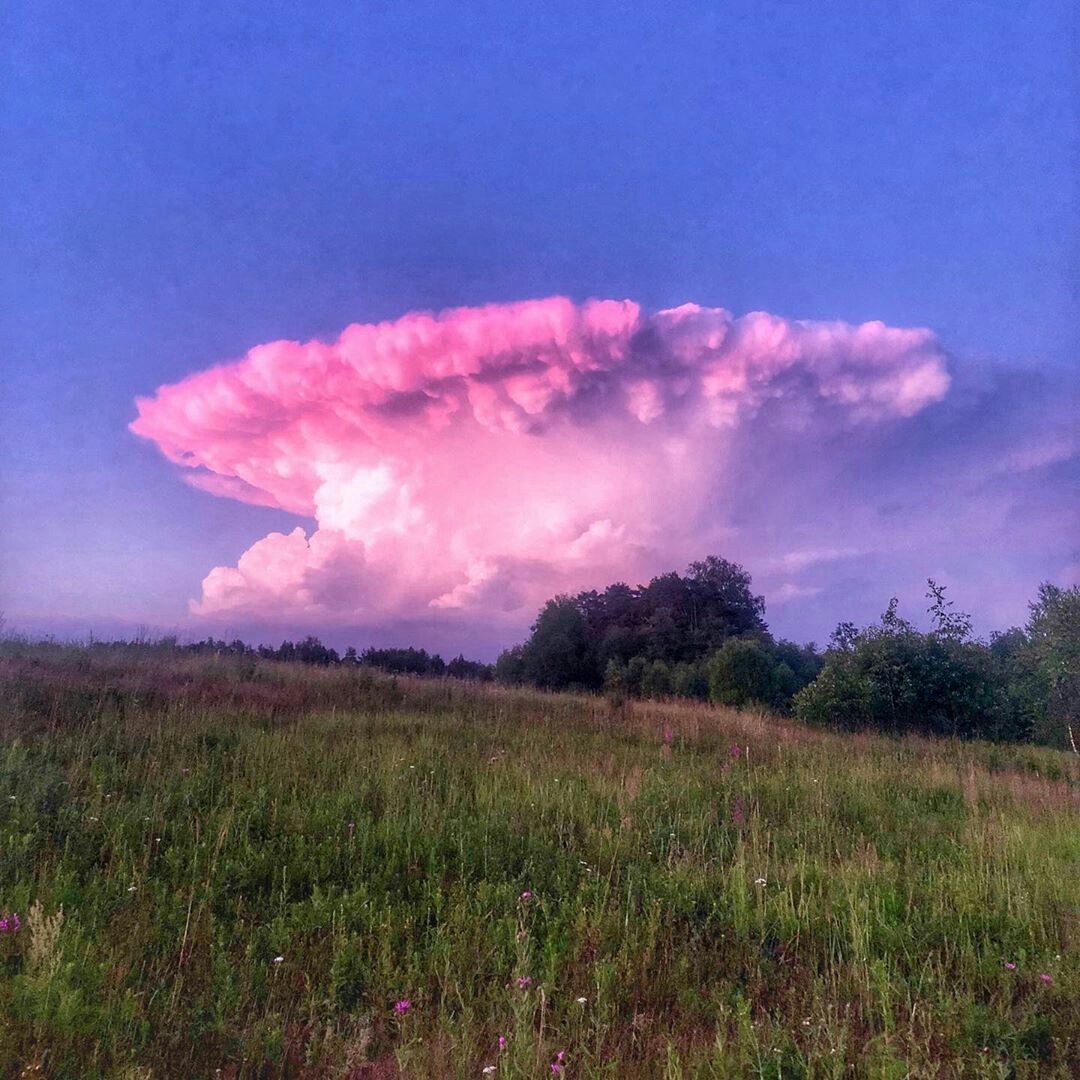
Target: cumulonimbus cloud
(480, 459)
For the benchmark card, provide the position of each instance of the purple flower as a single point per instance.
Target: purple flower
(524, 982)
(736, 751)
(3, 926)
(1009, 965)
(502, 1042)
(1046, 978)
(402, 1006)
(526, 895)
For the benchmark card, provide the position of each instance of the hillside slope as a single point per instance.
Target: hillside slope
(252, 867)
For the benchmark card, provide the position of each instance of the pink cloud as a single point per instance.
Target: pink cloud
(480, 459)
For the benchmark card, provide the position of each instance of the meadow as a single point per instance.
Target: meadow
(235, 867)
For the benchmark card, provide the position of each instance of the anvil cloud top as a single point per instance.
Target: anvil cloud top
(488, 457)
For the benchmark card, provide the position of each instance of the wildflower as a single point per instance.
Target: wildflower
(1009, 965)
(402, 1006)
(1046, 978)
(3, 926)
(524, 982)
(131, 888)
(488, 1069)
(526, 895)
(581, 1000)
(736, 751)
(759, 881)
(502, 1042)
(278, 959)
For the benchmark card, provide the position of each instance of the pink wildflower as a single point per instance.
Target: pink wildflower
(502, 1042)
(1046, 978)
(526, 895)
(736, 751)
(1009, 965)
(402, 1006)
(3, 926)
(524, 982)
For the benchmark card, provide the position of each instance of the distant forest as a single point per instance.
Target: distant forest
(702, 635)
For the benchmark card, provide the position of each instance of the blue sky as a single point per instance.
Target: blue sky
(183, 182)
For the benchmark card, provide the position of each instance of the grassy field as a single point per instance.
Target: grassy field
(244, 868)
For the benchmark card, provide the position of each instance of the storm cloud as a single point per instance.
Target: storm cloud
(480, 459)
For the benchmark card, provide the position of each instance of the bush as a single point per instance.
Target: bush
(635, 676)
(656, 681)
(841, 696)
(892, 677)
(742, 673)
(690, 681)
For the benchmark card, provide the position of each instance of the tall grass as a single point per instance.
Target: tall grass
(237, 868)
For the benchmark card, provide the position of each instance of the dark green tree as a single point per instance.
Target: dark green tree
(559, 653)
(742, 673)
(1053, 631)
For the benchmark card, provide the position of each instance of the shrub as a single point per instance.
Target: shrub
(690, 681)
(892, 677)
(742, 672)
(656, 680)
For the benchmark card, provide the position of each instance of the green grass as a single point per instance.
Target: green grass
(813, 906)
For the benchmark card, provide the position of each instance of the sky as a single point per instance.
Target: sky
(562, 294)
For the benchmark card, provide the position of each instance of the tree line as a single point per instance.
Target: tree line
(703, 635)
(310, 650)
(698, 635)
